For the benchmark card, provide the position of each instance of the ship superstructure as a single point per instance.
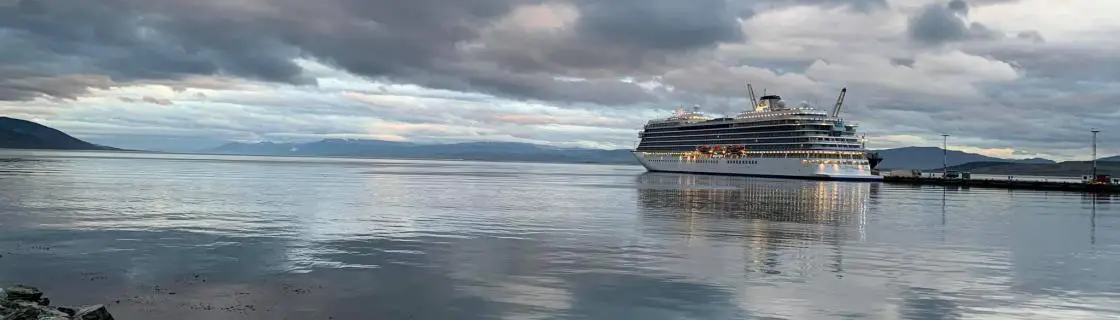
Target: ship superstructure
(769, 140)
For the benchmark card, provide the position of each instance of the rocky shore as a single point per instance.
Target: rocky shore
(28, 303)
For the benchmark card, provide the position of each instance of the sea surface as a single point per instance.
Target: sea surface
(237, 237)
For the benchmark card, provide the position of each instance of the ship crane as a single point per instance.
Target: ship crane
(754, 101)
(839, 103)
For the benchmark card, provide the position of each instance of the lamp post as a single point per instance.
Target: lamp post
(1095, 153)
(944, 156)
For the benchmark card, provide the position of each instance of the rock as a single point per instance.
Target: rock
(27, 303)
(94, 312)
(70, 312)
(19, 309)
(23, 293)
(23, 314)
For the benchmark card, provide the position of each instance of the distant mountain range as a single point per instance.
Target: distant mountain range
(480, 151)
(930, 157)
(23, 134)
(1061, 169)
(921, 158)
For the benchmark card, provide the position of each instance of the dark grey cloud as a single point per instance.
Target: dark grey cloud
(747, 9)
(130, 40)
(940, 23)
(907, 62)
(1077, 65)
(658, 24)
(148, 99)
(1031, 35)
(404, 41)
(169, 39)
(125, 41)
(958, 6)
(418, 41)
(981, 3)
(857, 5)
(15, 86)
(1038, 115)
(936, 24)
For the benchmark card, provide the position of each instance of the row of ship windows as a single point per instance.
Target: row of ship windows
(740, 140)
(767, 134)
(776, 154)
(741, 126)
(820, 154)
(671, 125)
(776, 145)
(807, 162)
(777, 128)
(843, 162)
(747, 147)
(817, 154)
(750, 147)
(716, 122)
(705, 161)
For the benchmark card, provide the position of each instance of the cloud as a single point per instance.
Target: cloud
(1063, 61)
(947, 75)
(147, 99)
(857, 5)
(442, 44)
(1031, 35)
(156, 100)
(563, 72)
(938, 23)
(658, 24)
(27, 86)
(160, 40)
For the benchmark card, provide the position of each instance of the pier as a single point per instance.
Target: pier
(1092, 182)
(1105, 185)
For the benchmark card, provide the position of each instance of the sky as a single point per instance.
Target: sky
(1006, 78)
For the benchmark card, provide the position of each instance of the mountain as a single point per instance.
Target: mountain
(23, 134)
(1034, 160)
(1060, 169)
(481, 151)
(899, 158)
(931, 157)
(1111, 159)
(262, 148)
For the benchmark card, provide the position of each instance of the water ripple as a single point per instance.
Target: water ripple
(313, 238)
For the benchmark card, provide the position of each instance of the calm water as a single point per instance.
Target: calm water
(212, 237)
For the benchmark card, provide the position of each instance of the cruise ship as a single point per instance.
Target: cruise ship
(769, 140)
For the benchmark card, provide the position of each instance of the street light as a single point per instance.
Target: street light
(1095, 153)
(944, 156)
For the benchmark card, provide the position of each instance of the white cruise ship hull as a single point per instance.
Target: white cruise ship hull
(799, 168)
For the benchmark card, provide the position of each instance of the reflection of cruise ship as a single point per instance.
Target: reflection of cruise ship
(786, 201)
(770, 219)
(771, 140)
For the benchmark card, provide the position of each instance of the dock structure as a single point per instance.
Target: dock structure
(1093, 182)
(1085, 184)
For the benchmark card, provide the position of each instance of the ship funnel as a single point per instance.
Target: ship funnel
(772, 101)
